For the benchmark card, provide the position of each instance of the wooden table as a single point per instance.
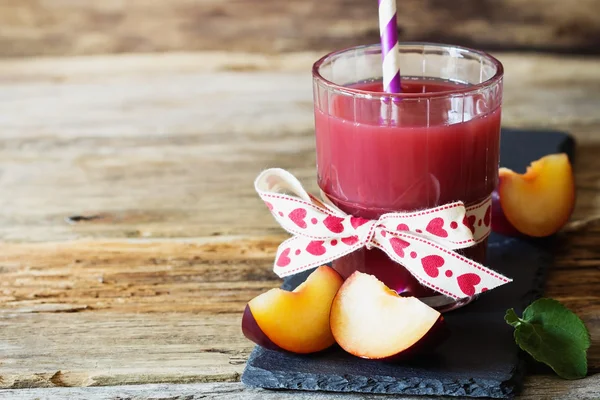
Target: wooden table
(131, 237)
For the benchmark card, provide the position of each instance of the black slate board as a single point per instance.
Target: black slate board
(480, 359)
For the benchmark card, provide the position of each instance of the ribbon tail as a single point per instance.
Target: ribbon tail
(438, 268)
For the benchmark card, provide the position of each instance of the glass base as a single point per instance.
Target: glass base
(444, 304)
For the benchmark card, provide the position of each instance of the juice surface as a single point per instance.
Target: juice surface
(421, 159)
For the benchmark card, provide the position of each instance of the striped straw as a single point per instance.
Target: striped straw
(388, 30)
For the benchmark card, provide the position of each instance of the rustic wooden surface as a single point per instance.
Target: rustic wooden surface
(70, 27)
(131, 237)
(539, 388)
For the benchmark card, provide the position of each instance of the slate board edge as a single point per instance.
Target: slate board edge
(349, 383)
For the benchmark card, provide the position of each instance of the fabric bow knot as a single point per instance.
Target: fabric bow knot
(422, 241)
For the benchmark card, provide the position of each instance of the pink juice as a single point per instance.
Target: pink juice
(420, 156)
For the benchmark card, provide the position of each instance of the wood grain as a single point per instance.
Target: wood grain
(73, 27)
(131, 235)
(535, 389)
(168, 311)
(92, 138)
(136, 276)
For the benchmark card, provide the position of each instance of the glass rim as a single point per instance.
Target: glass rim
(372, 94)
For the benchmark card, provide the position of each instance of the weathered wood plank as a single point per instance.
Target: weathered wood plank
(105, 349)
(165, 159)
(135, 276)
(539, 387)
(166, 311)
(59, 27)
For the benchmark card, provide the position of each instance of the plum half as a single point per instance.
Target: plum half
(537, 203)
(296, 321)
(370, 320)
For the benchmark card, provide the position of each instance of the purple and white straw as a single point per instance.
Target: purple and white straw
(388, 31)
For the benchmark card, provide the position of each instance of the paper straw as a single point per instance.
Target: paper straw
(388, 31)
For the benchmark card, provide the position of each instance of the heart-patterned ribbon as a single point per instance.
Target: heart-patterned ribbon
(423, 241)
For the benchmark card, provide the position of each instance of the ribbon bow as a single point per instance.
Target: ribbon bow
(423, 241)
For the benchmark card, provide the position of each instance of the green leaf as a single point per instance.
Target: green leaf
(554, 335)
(511, 318)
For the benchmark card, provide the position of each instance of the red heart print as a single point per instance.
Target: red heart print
(269, 205)
(334, 224)
(402, 227)
(350, 240)
(467, 283)
(469, 222)
(357, 221)
(283, 259)
(431, 265)
(297, 216)
(487, 217)
(399, 245)
(316, 248)
(436, 227)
